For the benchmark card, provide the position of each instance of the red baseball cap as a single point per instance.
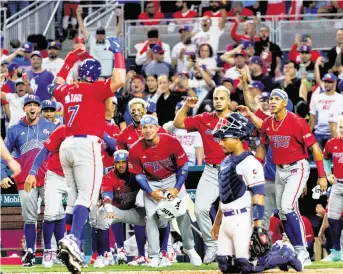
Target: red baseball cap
(79, 39)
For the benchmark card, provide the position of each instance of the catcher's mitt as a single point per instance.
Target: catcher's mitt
(260, 243)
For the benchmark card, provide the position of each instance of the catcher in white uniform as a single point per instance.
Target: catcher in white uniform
(243, 245)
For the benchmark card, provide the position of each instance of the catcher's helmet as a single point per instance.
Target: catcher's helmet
(90, 70)
(233, 126)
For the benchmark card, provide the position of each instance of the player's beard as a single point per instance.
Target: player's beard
(52, 56)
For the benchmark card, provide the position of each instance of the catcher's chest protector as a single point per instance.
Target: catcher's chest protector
(231, 185)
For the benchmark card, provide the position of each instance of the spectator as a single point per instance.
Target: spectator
(182, 51)
(22, 57)
(15, 6)
(39, 42)
(252, 95)
(166, 103)
(304, 40)
(291, 82)
(98, 44)
(247, 48)
(16, 101)
(210, 34)
(256, 71)
(206, 59)
(249, 32)
(319, 109)
(312, 8)
(190, 141)
(151, 85)
(335, 112)
(269, 52)
(157, 65)
(240, 59)
(150, 16)
(276, 8)
(39, 77)
(183, 10)
(305, 58)
(332, 53)
(144, 53)
(70, 12)
(117, 117)
(78, 42)
(214, 11)
(239, 12)
(53, 62)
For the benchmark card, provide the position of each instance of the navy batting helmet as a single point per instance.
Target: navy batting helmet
(121, 155)
(233, 126)
(90, 70)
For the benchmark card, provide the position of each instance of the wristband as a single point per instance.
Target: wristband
(119, 61)
(108, 208)
(258, 212)
(320, 168)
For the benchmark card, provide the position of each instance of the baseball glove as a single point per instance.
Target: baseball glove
(260, 243)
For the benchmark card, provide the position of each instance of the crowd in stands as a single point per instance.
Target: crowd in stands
(163, 75)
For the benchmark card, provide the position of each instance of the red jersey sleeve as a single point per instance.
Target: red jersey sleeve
(112, 129)
(315, 55)
(103, 89)
(59, 92)
(120, 141)
(326, 149)
(260, 114)
(179, 153)
(106, 185)
(263, 134)
(192, 123)
(293, 53)
(54, 141)
(135, 166)
(5, 88)
(305, 133)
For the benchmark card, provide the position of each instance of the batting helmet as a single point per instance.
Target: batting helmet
(89, 70)
(121, 155)
(171, 208)
(233, 126)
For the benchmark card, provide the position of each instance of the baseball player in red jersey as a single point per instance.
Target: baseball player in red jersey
(333, 151)
(208, 188)
(80, 153)
(160, 165)
(55, 189)
(125, 140)
(289, 136)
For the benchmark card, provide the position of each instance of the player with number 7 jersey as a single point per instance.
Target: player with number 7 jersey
(80, 153)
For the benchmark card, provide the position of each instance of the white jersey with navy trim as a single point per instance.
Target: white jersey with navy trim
(252, 174)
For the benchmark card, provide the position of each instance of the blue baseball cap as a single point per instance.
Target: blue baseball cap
(32, 99)
(149, 120)
(329, 77)
(157, 49)
(256, 60)
(11, 68)
(36, 53)
(121, 155)
(304, 48)
(54, 44)
(230, 80)
(264, 96)
(257, 84)
(186, 28)
(49, 104)
(289, 105)
(247, 44)
(28, 47)
(280, 93)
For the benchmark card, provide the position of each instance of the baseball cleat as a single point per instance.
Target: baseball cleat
(72, 245)
(68, 260)
(155, 262)
(193, 257)
(109, 259)
(99, 262)
(165, 262)
(210, 255)
(29, 259)
(138, 260)
(121, 256)
(333, 257)
(304, 257)
(47, 258)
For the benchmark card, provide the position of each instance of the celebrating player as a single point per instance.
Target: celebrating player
(125, 140)
(160, 165)
(26, 138)
(49, 111)
(334, 151)
(119, 190)
(55, 190)
(207, 190)
(289, 137)
(239, 219)
(80, 153)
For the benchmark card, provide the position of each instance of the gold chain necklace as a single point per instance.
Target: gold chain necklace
(276, 129)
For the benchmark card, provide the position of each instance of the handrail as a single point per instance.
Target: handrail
(24, 10)
(109, 9)
(51, 17)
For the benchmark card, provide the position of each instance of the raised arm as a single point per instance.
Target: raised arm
(120, 24)
(81, 23)
(222, 21)
(179, 121)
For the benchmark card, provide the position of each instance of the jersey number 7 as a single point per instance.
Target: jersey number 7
(73, 110)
